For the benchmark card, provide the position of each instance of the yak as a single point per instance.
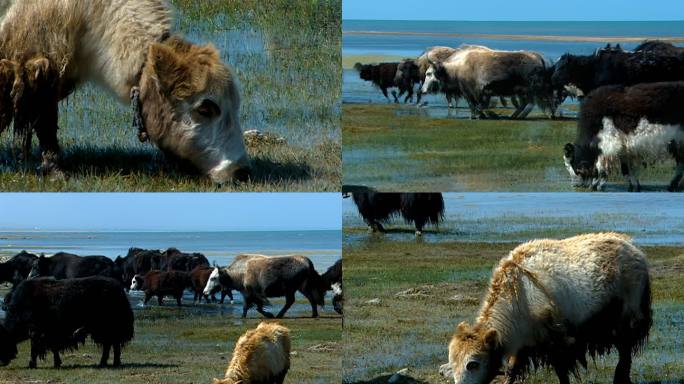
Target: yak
(613, 66)
(382, 76)
(17, 268)
(417, 208)
(261, 355)
(333, 278)
(64, 265)
(186, 100)
(58, 315)
(552, 302)
(199, 277)
(175, 260)
(627, 127)
(412, 71)
(162, 283)
(259, 277)
(138, 262)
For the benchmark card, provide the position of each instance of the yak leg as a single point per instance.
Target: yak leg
(147, 298)
(674, 183)
(280, 379)
(46, 130)
(630, 175)
(160, 299)
(562, 373)
(260, 309)
(105, 354)
(314, 307)
(246, 306)
(624, 365)
(34, 355)
(57, 362)
(179, 297)
(409, 95)
(117, 355)
(678, 153)
(420, 223)
(384, 92)
(420, 93)
(289, 300)
(396, 98)
(526, 111)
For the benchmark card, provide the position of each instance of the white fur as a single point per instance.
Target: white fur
(336, 289)
(134, 284)
(213, 282)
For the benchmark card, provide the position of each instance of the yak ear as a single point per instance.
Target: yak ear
(168, 68)
(569, 150)
(462, 327)
(491, 338)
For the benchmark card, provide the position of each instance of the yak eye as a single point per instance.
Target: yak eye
(208, 109)
(472, 365)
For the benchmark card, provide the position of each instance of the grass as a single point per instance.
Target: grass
(290, 82)
(188, 345)
(447, 281)
(402, 148)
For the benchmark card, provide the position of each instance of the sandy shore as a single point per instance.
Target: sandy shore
(590, 39)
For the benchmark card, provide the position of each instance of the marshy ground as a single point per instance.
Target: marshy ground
(407, 148)
(289, 76)
(405, 296)
(192, 344)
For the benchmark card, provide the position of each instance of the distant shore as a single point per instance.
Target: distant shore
(585, 39)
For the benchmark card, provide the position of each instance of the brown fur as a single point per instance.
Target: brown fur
(261, 356)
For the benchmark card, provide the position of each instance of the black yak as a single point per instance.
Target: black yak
(175, 260)
(333, 279)
(259, 277)
(627, 127)
(58, 315)
(17, 268)
(383, 76)
(613, 66)
(417, 208)
(138, 262)
(64, 265)
(162, 283)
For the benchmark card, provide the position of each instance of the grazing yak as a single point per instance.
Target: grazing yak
(58, 315)
(382, 75)
(199, 277)
(138, 262)
(261, 355)
(627, 127)
(417, 208)
(333, 278)
(259, 277)
(550, 302)
(653, 62)
(185, 98)
(17, 268)
(162, 283)
(64, 265)
(479, 73)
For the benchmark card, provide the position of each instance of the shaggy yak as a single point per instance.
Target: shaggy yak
(653, 62)
(17, 268)
(261, 355)
(185, 99)
(333, 278)
(382, 75)
(162, 283)
(259, 277)
(478, 73)
(419, 208)
(550, 302)
(64, 265)
(627, 127)
(199, 277)
(138, 262)
(58, 315)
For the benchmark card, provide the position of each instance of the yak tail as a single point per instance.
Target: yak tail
(642, 328)
(427, 206)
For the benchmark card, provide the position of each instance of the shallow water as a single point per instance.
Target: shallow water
(495, 217)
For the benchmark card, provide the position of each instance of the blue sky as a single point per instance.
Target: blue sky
(494, 10)
(170, 211)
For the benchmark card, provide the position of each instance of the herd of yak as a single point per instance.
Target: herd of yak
(60, 300)
(630, 114)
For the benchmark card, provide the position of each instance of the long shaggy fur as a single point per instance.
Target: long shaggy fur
(553, 302)
(417, 208)
(261, 356)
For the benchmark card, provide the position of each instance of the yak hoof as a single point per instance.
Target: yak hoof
(269, 315)
(419, 233)
(32, 364)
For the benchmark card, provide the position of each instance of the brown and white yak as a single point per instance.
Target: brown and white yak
(550, 302)
(261, 355)
(186, 100)
(478, 73)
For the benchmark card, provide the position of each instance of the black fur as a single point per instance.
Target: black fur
(417, 208)
(58, 315)
(64, 265)
(17, 268)
(383, 76)
(138, 262)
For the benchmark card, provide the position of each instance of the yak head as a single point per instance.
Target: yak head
(573, 74)
(8, 347)
(137, 283)
(40, 267)
(213, 282)
(191, 105)
(365, 71)
(407, 73)
(474, 354)
(580, 161)
(435, 75)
